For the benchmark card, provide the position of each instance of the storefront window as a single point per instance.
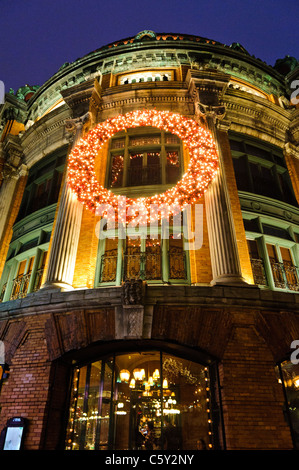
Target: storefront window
(288, 376)
(140, 401)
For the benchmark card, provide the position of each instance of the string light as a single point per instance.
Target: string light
(202, 168)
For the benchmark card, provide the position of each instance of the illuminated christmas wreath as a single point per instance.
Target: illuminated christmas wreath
(202, 167)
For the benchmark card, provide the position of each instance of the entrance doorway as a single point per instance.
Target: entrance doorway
(146, 400)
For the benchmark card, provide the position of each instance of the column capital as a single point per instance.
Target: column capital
(207, 88)
(12, 156)
(291, 149)
(223, 125)
(74, 126)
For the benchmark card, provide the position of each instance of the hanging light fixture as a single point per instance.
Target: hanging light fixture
(156, 374)
(124, 375)
(150, 381)
(165, 383)
(139, 374)
(132, 383)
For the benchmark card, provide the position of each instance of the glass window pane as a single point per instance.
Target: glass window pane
(92, 405)
(186, 404)
(117, 168)
(77, 408)
(177, 268)
(241, 172)
(290, 378)
(137, 409)
(135, 169)
(158, 401)
(172, 166)
(153, 268)
(109, 261)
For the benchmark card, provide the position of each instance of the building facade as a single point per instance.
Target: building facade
(113, 340)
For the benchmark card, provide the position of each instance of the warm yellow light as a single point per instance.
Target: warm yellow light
(132, 383)
(203, 165)
(165, 383)
(150, 381)
(124, 375)
(139, 374)
(156, 374)
(296, 381)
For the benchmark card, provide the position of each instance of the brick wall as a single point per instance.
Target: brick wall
(246, 341)
(25, 393)
(252, 398)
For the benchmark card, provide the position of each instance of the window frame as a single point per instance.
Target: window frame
(275, 162)
(163, 147)
(263, 239)
(121, 243)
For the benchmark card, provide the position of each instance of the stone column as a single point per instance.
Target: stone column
(207, 88)
(63, 251)
(12, 171)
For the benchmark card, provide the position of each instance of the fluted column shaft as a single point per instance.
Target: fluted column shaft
(225, 260)
(62, 256)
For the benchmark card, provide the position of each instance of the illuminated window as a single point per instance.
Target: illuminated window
(24, 277)
(150, 259)
(144, 158)
(146, 400)
(146, 76)
(288, 376)
(273, 265)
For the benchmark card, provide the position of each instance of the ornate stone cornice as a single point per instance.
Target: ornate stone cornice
(207, 88)
(82, 97)
(292, 150)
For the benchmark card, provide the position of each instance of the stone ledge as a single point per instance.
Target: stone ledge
(53, 300)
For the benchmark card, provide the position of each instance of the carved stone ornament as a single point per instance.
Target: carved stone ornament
(73, 125)
(132, 292)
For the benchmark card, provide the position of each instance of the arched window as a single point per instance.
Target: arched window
(141, 400)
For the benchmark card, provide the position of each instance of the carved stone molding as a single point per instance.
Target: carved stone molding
(133, 292)
(207, 88)
(292, 150)
(12, 334)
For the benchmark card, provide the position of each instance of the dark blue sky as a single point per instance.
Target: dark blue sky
(37, 36)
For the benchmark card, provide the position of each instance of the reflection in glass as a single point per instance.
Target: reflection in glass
(288, 375)
(140, 401)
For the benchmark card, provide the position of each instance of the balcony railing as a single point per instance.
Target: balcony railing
(258, 271)
(143, 265)
(285, 275)
(20, 285)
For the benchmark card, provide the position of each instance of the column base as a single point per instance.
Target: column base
(62, 286)
(230, 280)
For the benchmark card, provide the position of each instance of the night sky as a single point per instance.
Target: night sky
(37, 37)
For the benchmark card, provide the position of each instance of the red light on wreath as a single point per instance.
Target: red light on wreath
(202, 168)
